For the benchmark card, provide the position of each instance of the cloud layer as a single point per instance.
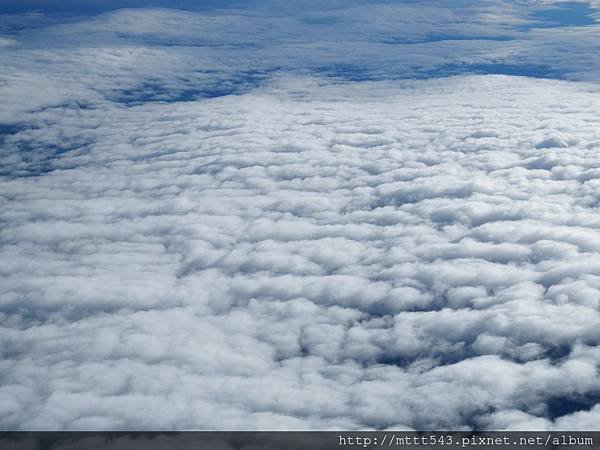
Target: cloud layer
(417, 254)
(137, 55)
(184, 245)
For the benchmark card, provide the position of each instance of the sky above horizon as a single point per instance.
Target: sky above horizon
(318, 215)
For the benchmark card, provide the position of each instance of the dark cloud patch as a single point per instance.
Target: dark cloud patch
(563, 406)
(432, 38)
(563, 14)
(8, 129)
(155, 91)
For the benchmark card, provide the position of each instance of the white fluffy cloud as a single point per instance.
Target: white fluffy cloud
(416, 254)
(312, 253)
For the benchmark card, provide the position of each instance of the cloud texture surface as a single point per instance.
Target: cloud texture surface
(284, 249)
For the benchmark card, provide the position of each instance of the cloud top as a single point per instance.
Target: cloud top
(420, 254)
(347, 217)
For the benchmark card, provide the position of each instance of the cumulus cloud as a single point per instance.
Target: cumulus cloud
(299, 251)
(327, 248)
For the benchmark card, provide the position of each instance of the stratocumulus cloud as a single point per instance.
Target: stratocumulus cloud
(302, 251)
